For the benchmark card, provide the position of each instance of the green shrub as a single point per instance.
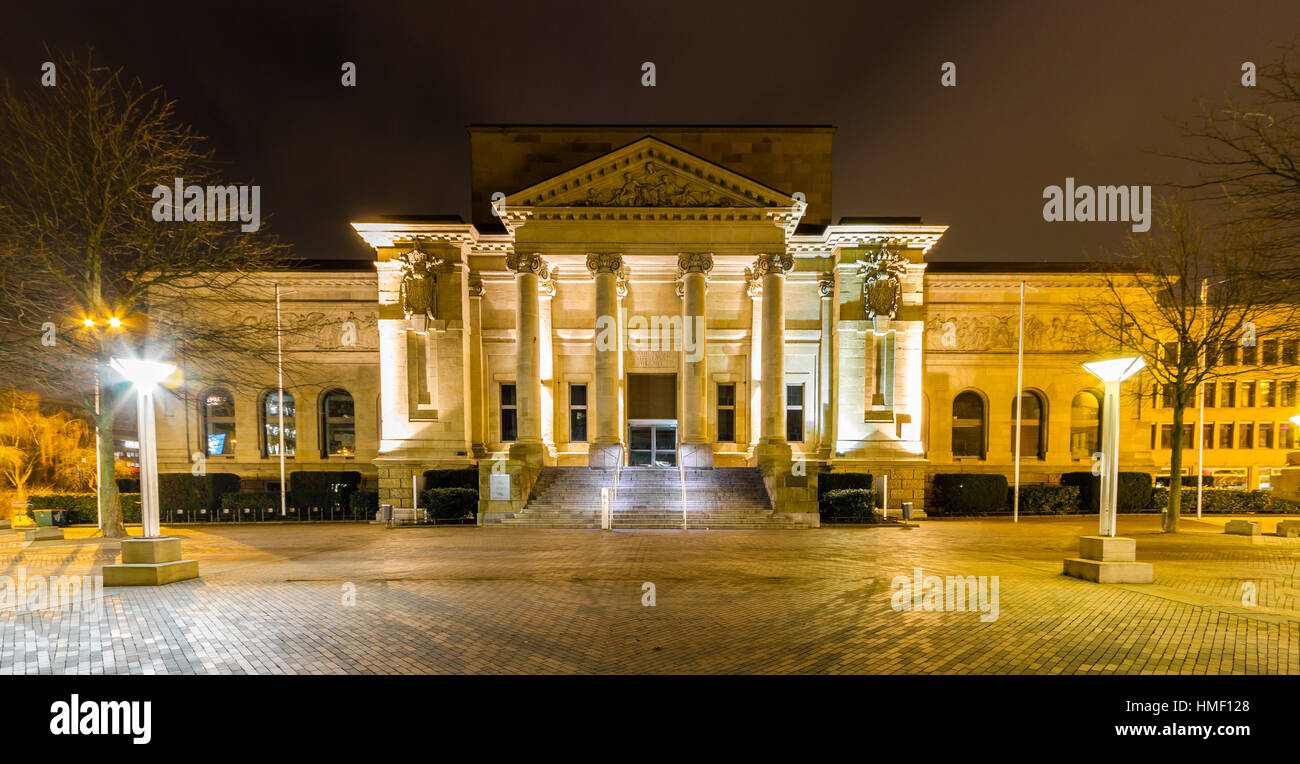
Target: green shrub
(322, 490)
(1134, 490)
(83, 509)
(260, 502)
(849, 503)
(1226, 501)
(365, 503)
(969, 494)
(450, 503)
(839, 481)
(1047, 499)
(190, 493)
(460, 478)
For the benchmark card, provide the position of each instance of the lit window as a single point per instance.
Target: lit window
(1228, 395)
(968, 425)
(338, 424)
(1248, 394)
(218, 411)
(271, 414)
(1264, 438)
(1268, 394)
(1246, 435)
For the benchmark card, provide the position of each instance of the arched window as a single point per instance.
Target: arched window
(1032, 430)
(968, 425)
(271, 414)
(338, 424)
(1085, 425)
(217, 410)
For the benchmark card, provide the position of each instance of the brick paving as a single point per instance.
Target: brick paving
(494, 600)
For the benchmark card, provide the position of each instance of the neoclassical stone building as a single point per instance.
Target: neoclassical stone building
(630, 298)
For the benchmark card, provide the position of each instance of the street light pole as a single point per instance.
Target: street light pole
(1112, 373)
(1200, 416)
(279, 404)
(145, 375)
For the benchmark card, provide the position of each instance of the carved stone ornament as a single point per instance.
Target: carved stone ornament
(419, 290)
(826, 285)
(604, 262)
(882, 285)
(779, 264)
(476, 289)
(753, 284)
(655, 187)
(694, 262)
(532, 263)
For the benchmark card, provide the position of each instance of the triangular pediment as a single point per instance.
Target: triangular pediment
(650, 173)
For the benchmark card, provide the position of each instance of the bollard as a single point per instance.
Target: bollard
(907, 511)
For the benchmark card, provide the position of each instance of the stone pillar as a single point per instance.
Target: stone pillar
(695, 449)
(476, 397)
(772, 446)
(754, 288)
(546, 355)
(606, 445)
(528, 382)
(826, 367)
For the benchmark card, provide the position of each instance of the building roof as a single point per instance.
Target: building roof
(959, 266)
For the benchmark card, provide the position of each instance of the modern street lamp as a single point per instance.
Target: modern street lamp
(115, 323)
(146, 375)
(1112, 372)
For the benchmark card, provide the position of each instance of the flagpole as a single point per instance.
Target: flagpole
(1200, 417)
(279, 403)
(1020, 381)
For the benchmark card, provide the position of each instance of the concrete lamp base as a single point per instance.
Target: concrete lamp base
(44, 533)
(1106, 560)
(150, 562)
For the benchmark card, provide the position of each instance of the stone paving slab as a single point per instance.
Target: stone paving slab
(340, 599)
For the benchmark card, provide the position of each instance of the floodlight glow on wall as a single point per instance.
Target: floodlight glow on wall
(146, 375)
(1112, 372)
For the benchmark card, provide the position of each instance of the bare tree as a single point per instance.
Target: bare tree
(1190, 289)
(80, 245)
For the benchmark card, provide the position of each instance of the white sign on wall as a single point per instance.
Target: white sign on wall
(499, 487)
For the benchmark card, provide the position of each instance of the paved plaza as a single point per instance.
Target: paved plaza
(345, 599)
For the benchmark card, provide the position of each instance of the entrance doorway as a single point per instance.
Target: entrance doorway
(652, 443)
(652, 420)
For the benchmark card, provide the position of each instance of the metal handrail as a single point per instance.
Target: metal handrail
(681, 474)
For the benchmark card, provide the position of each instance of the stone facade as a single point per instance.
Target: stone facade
(700, 263)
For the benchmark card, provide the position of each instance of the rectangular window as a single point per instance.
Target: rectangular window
(1287, 396)
(577, 413)
(1286, 435)
(1226, 435)
(509, 413)
(1166, 436)
(1268, 394)
(1171, 353)
(1167, 396)
(1248, 394)
(1228, 355)
(1265, 436)
(1208, 392)
(1269, 352)
(1207, 436)
(794, 413)
(1290, 352)
(727, 413)
(1249, 355)
(1228, 395)
(1245, 435)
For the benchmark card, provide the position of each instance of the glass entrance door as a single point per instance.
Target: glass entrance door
(652, 444)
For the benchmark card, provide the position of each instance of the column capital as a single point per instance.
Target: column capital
(826, 285)
(694, 262)
(605, 262)
(753, 284)
(772, 264)
(530, 263)
(475, 289)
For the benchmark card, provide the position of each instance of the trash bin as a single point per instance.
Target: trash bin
(50, 517)
(386, 513)
(907, 510)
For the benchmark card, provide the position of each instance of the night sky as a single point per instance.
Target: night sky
(1094, 90)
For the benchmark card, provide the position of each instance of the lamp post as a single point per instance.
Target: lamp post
(113, 322)
(1112, 372)
(145, 376)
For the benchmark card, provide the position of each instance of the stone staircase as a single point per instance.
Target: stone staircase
(722, 498)
(563, 497)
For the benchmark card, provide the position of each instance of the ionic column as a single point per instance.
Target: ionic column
(528, 355)
(771, 269)
(826, 366)
(606, 444)
(695, 449)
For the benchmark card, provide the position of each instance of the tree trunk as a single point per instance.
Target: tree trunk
(1170, 524)
(111, 504)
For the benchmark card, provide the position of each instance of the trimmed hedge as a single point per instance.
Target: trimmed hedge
(450, 503)
(365, 503)
(461, 478)
(968, 494)
(849, 503)
(82, 507)
(1134, 490)
(841, 481)
(1226, 501)
(127, 485)
(185, 492)
(321, 490)
(258, 501)
(1047, 499)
